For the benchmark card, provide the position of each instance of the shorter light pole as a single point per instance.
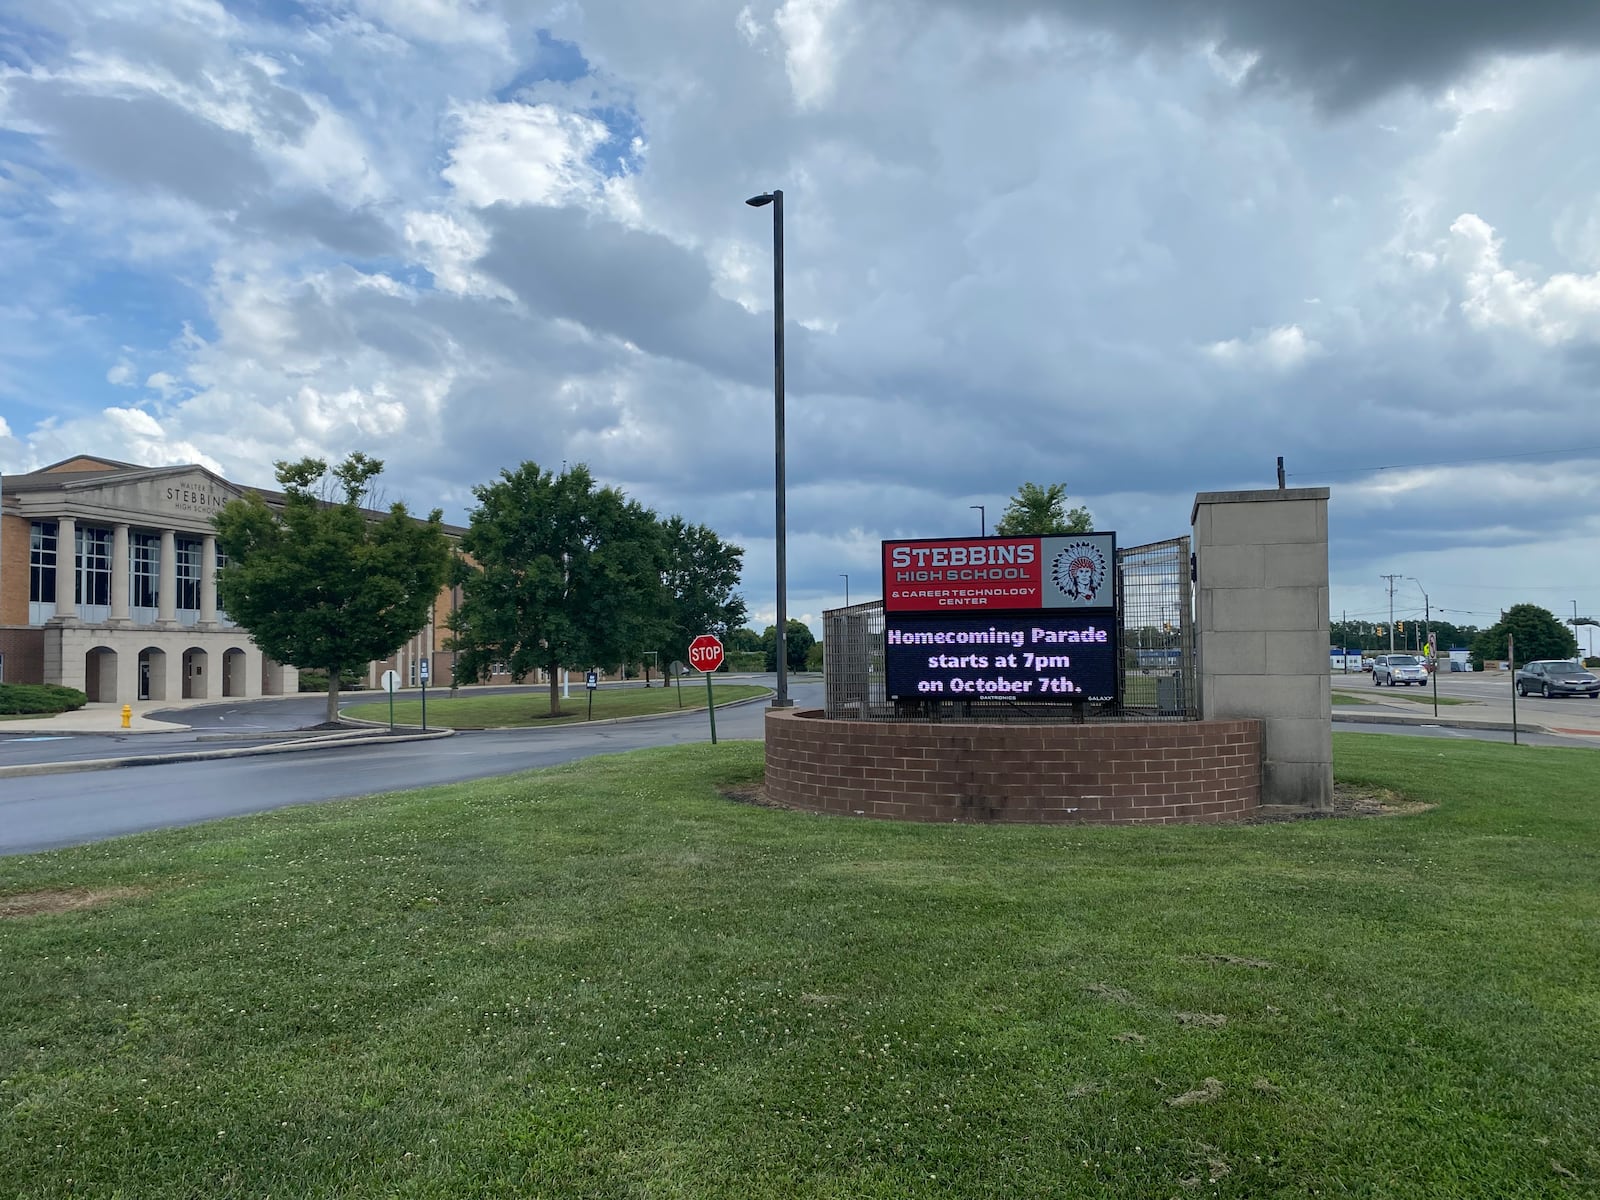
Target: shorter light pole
(846, 579)
(983, 529)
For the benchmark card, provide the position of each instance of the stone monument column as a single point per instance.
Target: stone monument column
(119, 574)
(1261, 623)
(66, 570)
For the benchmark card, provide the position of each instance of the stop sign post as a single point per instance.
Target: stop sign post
(705, 654)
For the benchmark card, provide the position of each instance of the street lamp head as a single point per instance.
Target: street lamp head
(760, 201)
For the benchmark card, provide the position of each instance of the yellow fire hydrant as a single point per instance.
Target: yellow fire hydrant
(127, 716)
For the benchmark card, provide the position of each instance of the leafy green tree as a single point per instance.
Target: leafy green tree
(1037, 511)
(700, 580)
(744, 639)
(321, 582)
(1537, 632)
(797, 642)
(562, 573)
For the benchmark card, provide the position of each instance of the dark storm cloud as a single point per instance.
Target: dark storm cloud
(1346, 53)
(629, 284)
(146, 143)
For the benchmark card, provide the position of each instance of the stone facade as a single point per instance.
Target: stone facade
(1261, 620)
(104, 643)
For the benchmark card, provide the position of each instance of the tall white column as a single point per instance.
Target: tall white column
(167, 613)
(208, 582)
(119, 575)
(66, 569)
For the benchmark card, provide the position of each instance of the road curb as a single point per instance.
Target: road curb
(1429, 719)
(671, 712)
(152, 760)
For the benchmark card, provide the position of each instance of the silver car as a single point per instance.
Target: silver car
(1397, 669)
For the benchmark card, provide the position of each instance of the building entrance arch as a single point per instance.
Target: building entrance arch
(100, 674)
(152, 674)
(196, 674)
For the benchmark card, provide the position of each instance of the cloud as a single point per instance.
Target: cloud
(1281, 349)
(1564, 308)
(1344, 55)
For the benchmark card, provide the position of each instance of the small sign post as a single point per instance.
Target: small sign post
(1511, 661)
(1433, 667)
(422, 674)
(389, 682)
(705, 654)
(591, 681)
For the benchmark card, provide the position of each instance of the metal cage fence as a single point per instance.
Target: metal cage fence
(1157, 672)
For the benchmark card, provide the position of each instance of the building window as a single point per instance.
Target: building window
(94, 567)
(188, 562)
(42, 563)
(144, 574)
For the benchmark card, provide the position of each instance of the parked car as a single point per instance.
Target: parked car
(1397, 669)
(1554, 677)
(1366, 664)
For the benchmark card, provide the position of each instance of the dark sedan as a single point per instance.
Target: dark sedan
(1556, 678)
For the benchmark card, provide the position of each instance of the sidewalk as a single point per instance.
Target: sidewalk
(103, 718)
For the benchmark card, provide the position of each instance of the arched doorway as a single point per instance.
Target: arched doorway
(196, 674)
(152, 674)
(100, 674)
(233, 677)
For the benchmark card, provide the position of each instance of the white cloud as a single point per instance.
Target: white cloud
(1564, 308)
(524, 154)
(1283, 348)
(122, 374)
(813, 37)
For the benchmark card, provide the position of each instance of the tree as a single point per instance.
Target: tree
(321, 582)
(797, 642)
(700, 577)
(1537, 632)
(744, 639)
(1037, 511)
(561, 574)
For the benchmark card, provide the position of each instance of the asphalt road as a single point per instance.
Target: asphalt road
(43, 812)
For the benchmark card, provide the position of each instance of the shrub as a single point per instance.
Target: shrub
(17, 698)
(313, 680)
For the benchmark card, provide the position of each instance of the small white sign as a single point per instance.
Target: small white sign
(390, 681)
(422, 670)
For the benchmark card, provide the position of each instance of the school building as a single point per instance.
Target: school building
(108, 584)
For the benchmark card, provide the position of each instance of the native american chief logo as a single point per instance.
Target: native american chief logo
(1079, 570)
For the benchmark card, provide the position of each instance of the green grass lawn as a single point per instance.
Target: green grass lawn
(533, 706)
(1385, 694)
(608, 980)
(1340, 698)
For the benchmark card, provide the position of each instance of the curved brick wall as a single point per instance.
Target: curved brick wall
(1111, 774)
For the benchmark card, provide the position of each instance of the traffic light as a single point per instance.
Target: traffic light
(1400, 625)
(1380, 630)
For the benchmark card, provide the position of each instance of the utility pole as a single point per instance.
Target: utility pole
(1391, 579)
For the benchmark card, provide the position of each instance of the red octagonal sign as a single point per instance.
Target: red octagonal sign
(705, 653)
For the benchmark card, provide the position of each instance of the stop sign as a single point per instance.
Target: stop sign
(705, 653)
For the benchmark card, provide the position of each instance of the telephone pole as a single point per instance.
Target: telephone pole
(1391, 579)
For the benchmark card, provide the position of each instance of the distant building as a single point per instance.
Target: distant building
(108, 584)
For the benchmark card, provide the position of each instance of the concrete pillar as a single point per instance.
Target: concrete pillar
(119, 575)
(167, 592)
(1261, 612)
(208, 582)
(66, 570)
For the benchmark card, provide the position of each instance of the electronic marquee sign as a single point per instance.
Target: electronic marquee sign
(1068, 571)
(1028, 618)
(1059, 656)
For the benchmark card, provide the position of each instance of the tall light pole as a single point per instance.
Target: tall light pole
(775, 198)
(846, 579)
(983, 529)
(1427, 612)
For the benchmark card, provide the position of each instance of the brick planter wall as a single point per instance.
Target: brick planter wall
(1150, 774)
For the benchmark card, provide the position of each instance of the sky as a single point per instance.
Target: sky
(1138, 247)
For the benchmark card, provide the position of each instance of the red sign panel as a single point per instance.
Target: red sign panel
(705, 653)
(962, 574)
(976, 575)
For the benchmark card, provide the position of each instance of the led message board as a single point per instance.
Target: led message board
(1069, 571)
(1025, 618)
(1050, 656)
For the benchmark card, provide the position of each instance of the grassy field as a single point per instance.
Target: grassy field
(533, 706)
(609, 980)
